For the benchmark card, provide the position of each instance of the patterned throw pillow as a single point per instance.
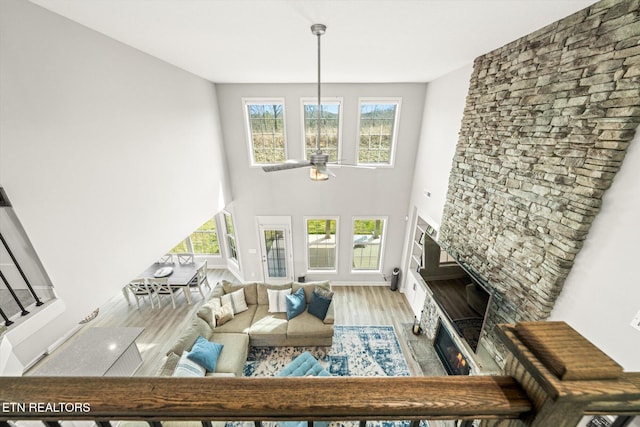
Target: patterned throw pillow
(188, 368)
(278, 300)
(237, 301)
(223, 314)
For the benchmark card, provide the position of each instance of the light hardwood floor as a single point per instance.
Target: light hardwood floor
(355, 305)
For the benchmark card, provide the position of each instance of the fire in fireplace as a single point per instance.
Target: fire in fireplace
(452, 358)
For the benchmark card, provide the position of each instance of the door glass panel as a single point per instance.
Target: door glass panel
(276, 253)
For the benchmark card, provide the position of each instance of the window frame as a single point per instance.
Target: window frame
(217, 234)
(324, 100)
(235, 260)
(337, 242)
(247, 125)
(189, 244)
(394, 135)
(383, 240)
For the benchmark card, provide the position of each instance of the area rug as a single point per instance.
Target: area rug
(357, 351)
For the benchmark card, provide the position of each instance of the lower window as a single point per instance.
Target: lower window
(322, 248)
(368, 239)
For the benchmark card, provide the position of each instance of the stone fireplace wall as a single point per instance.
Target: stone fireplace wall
(547, 122)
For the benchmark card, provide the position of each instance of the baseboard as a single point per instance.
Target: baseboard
(339, 283)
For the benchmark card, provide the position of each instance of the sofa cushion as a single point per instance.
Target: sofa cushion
(197, 328)
(263, 297)
(296, 304)
(250, 290)
(234, 353)
(269, 324)
(236, 299)
(278, 300)
(308, 325)
(205, 353)
(241, 322)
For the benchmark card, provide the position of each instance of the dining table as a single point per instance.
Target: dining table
(180, 277)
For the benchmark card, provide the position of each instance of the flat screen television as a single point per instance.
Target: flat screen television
(460, 293)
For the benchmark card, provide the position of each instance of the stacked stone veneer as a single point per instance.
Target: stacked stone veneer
(546, 125)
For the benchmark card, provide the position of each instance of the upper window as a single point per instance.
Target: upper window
(203, 241)
(368, 238)
(378, 129)
(330, 127)
(265, 129)
(322, 237)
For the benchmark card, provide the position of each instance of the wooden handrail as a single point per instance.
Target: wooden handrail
(257, 399)
(555, 376)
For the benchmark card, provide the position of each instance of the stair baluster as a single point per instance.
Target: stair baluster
(24, 277)
(13, 294)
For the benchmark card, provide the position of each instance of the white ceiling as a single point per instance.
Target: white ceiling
(269, 41)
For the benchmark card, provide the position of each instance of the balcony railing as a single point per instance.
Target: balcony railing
(553, 377)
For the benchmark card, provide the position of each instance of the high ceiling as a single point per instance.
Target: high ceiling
(269, 41)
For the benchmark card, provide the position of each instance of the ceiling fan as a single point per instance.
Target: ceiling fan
(318, 160)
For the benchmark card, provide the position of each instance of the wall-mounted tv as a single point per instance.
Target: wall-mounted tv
(459, 291)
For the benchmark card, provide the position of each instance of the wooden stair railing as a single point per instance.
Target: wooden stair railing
(553, 377)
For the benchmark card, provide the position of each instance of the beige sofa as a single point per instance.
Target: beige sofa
(255, 326)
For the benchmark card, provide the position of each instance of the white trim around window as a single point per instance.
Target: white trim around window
(232, 254)
(397, 101)
(249, 135)
(334, 243)
(325, 101)
(358, 240)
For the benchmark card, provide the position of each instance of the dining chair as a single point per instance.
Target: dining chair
(199, 279)
(162, 288)
(185, 258)
(140, 289)
(166, 259)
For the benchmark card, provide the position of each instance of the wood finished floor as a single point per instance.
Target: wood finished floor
(356, 305)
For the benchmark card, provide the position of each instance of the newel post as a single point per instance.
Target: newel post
(564, 376)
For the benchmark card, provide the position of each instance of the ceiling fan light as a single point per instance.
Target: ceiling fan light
(316, 175)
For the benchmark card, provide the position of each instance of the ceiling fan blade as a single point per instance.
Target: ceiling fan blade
(347, 165)
(324, 169)
(289, 164)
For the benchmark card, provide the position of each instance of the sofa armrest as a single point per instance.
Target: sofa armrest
(329, 319)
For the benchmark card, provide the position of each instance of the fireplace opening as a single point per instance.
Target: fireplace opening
(455, 363)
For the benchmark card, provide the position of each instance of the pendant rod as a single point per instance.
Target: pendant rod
(318, 30)
(319, 101)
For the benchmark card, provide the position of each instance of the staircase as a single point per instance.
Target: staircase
(17, 257)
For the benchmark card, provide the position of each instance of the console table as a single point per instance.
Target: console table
(96, 352)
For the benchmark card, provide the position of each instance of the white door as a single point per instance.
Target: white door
(275, 246)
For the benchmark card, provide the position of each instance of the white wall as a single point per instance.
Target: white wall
(600, 296)
(354, 192)
(109, 156)
(443, 110)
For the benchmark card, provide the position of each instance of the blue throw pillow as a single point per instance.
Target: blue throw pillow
(205, 353)
(296, 303)
(319, 305)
